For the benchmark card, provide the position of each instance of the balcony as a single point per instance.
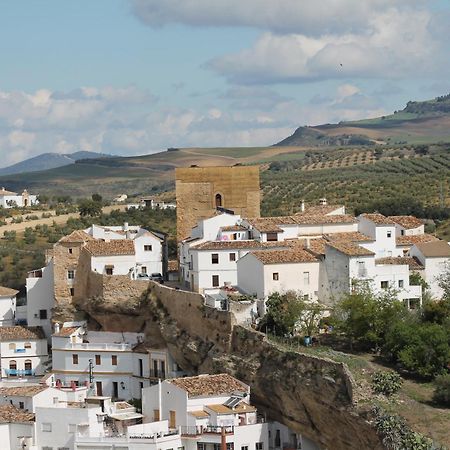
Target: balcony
(20, 372)
(93, 346)
(209, 429)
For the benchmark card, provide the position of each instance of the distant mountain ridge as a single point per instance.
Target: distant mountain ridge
(46, 161)
(419, 122)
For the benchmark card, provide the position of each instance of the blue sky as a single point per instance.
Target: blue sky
(138, 76)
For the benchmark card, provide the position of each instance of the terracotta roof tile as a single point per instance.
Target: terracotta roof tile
(288, 256)
(3, 191)
(319, 209)
(172, 265)
(22, 391)
(199, 414)
(415, 239)
(317, 219)
(66, 331)
(11, 414)
(349, 248)
(7, 292)
(316, 245)
(378, 219)
(435, 249)
(413, 263)
(208, 385)
(351, 236)
(233, 228)
(220, 409)
(111, 248)
(231, 245)
(21, 332)
(77, 236)
(407, 222)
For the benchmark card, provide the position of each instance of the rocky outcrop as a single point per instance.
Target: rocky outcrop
(314, 396)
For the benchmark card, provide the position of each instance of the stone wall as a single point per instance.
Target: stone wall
(196, 188)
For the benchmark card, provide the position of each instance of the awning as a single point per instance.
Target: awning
(126, 416)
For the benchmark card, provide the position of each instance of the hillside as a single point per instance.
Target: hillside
(418, 123)
(47, 161)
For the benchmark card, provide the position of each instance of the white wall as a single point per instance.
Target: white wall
(150, 259)
(40, 296)
(11, 434)
(7, 310)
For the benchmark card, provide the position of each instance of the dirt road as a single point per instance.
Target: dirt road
(20, 227)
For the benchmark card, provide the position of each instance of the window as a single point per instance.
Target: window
(98, 360)
(259, 446)
(214, 258)
(156, 415)
(12, 346)
(362, 269)
(272, 237)
(402, 232)
(389, 234)
(244, 447)
(70, 250)
(43, 314)
(21, 405)
(400, 283)
(384, 284)
(215, 280)
(275, 276)
(70, 274)
(147, 248)
(114, 360)
(305, 297)
(143, 269)
(232, 256)
(28, 364)
(13, 365)
(74, 359)
(218, 200)
(278, 439)
(72, 292)
(109, 270)
(306, 278)
(46, 427)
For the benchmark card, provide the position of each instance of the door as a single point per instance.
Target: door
(99, 388)
(172, 419)
(115, 389)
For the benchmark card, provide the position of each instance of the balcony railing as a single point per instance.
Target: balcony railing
(20, 372)
(209, 429)
(98, 346)
(158, 374)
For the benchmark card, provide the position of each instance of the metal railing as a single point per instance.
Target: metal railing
(209, 429)
(20, 372)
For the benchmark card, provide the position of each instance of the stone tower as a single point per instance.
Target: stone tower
(200, 190)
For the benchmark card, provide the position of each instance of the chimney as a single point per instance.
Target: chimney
(302, 206)
(307, 242)
(57, 328)
(125, 226)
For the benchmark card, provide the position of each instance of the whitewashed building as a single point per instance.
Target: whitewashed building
(435, 257)
(7, 306)
(207, 409)
(16, 428)
(122, 364)
(23, 351)
(9, 199)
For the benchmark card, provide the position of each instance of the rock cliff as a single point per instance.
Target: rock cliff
(313, 396)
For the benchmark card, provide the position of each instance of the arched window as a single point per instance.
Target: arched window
(13, 364)
(28, 365)
(27, 345)
(218, 200)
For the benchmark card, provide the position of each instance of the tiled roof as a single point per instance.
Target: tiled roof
(66, 331)
(244, 407)
(317, 219)
(287, 256)
(233, 228)
(231, 245)
(349, 248)
(20, 332)
(199, 414)
(111, 248)
(319, 209)
(270, 224)
(407, 222)
(172, 265)
(77, 236)
(7, 292)
(413, 263)
(22, 391)
(220, 409)
(207, 385)
(11, 414)
(436, 249)
(3, 191)
(378, 219)
(316, 245)
(352, 236)
(415, 239)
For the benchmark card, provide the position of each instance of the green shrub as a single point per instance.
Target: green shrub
(386, 383)
(442, 390)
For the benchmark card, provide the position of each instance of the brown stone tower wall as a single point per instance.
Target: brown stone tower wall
(196, 188)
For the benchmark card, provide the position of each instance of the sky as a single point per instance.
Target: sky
(130, 77)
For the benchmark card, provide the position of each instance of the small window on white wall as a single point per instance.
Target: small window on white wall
(47, 427)
(389, 234)
(306, 278)
(147, 248)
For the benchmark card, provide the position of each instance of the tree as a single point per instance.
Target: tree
(436, 311)
(90, 208)
(283, 312)
(97, 198)
(442, 390)
(29, 236)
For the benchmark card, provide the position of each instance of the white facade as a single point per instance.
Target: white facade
(22, 355)
(10, 199)
(14, 435)
(257, 278)
(40, 298)
(383, 235)
(7, 307)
